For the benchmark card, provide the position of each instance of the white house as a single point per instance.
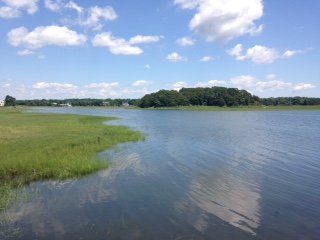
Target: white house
(1, 103)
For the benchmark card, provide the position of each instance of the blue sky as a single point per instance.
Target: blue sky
(125, 49)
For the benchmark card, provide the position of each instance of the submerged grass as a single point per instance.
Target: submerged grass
(37, 146)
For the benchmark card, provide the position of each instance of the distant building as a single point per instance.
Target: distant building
(125, 104)
(62, 105)
(105, 103)
(1, 103)
(65, 105)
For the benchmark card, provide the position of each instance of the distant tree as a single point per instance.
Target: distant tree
(9, 101)
(163, 98)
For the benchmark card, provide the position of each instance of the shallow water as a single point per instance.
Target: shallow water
(197, 175)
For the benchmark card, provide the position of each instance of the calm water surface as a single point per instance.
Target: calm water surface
(198, 175)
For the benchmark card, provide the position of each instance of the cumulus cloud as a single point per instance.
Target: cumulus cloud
(223, 20)
(243, 81)
(178, 85)
(140, 39)
(8, 12)
(13, 8)
(250, 82)
(120, 46)
(117, 46)
(104, 89)
(175, 57)
(55, 88)
(206, 59)
(141, 83)
(185, 41)
(211, 83)
(261, 86)
(44, 36)
(260, 54)
(92, 17)
(96, 15)
(269, 83)
(303, 86)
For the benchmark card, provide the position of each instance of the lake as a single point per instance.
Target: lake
(197, 175)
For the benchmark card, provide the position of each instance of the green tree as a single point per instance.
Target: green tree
(9, 101)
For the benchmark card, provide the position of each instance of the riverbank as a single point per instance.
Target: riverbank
(241, 108)
(35, 146)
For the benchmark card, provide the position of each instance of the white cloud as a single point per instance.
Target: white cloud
(187, 4)
(8, 12)
(140, 39)
(291, 53)
(236, 52)
(211, 83)
(53, 5)
(56, 87)
(175, 57)
(72, 5)
(243, 81)
(250, 82)
(44, 36)
(270, 83)
(223, 20)
(303, 86)
(185, 41)
(104, 89)
(13, 8)
(261, 86)
(91, 17)
(117, 46)
(260, 54)
(206, 59)
(96, 14)
(147, 66)
(25, 52)
(178, 85)
(103, 85)
(120, 46)
(141, 83)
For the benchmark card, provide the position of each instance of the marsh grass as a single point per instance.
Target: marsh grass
(36, 146)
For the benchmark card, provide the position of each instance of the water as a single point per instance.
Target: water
(198, 175)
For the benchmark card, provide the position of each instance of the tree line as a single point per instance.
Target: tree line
(217, 96)
(77, 102)
(214, 96)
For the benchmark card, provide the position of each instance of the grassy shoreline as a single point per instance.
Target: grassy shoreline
(35, 146)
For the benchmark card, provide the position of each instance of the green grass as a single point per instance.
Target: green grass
(37, 146)
(241, 108)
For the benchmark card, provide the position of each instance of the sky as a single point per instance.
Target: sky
(57, 49)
